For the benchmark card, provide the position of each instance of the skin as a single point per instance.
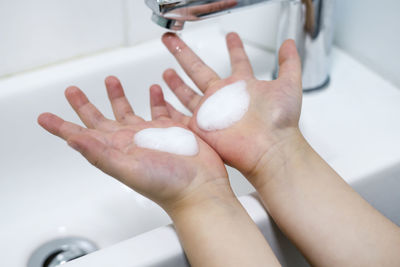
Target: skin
(275, 106)
(193, 190)
(329, 222)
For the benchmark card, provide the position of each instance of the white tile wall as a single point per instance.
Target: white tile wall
(257, 24)
(139, 26)
(35, 33)
(370, 31)
(41, 32)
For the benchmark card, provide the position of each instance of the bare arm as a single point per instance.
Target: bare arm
(330, 223)
(219, 232)
(325, 218)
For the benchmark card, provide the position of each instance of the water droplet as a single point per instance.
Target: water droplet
(178, 49)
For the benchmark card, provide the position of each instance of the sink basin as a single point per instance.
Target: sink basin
(163, 242)
(48, 191)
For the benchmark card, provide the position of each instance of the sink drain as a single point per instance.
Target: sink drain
(60, 251)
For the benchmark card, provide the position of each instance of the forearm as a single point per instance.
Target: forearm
(330, 223)
(217, 231)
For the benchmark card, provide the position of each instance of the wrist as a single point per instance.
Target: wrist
(205, 222)
(205, 197)
(277, 158)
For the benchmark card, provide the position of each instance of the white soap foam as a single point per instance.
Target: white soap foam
(173, 140)
(225, 107)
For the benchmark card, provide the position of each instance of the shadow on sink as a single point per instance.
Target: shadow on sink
(381, 190)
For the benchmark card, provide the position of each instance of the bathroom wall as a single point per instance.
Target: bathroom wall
(256, 25)
(42, 32)
(370, 31)
(36, 33)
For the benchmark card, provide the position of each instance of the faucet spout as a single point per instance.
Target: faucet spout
(167, 23)
(172, 14)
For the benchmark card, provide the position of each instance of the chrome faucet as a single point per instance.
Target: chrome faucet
(308, 22)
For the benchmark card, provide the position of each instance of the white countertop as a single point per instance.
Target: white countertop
(355, 123)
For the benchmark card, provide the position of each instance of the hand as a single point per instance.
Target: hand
(274, 110)
(163, 177)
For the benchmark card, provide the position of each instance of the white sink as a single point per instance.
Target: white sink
(48, 191)
(161, 247)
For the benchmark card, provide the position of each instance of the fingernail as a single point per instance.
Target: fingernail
(172, 39)
(231, 36)
(170, 35)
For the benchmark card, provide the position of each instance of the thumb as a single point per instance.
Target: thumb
(290, 63)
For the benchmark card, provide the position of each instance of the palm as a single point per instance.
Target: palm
(274, 105)
(109, 146)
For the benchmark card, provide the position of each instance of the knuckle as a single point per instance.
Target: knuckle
(96, 163)
(186, 93)
(197, 66)
(212, 81)
(192, 103)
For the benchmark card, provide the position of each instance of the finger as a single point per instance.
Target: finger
(185, 94)
(158, 106)
(177, 116)
(290, 63)
(202, 75)
(86, 111)
(122, 110)
(106, 158)
(57, 126)
(239, 59)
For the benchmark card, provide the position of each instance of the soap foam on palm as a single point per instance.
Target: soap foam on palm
(224, 108)
(173, 140)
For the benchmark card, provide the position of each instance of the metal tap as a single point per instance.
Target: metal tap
(308, 22)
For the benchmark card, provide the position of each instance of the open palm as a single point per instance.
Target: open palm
(109, 146)
(274, 110)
